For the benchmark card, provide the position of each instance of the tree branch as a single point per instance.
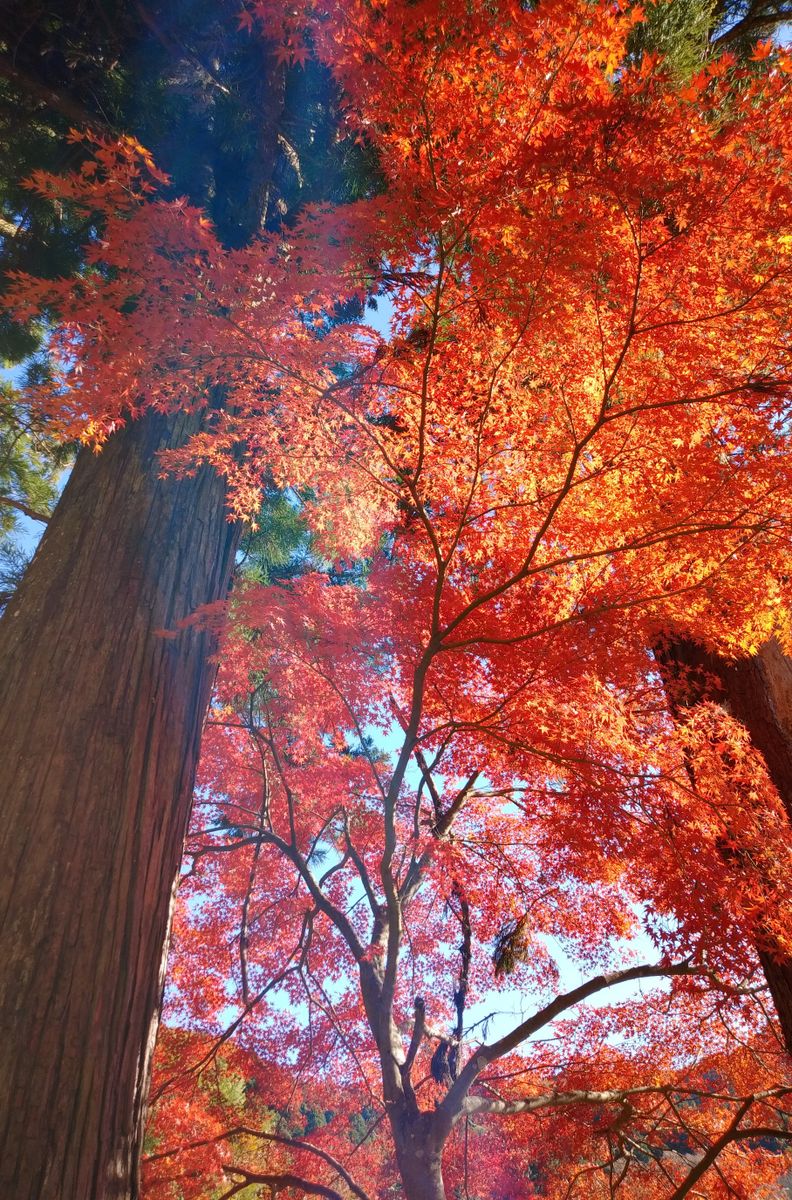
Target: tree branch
(451, 1108)
(20, 505)
(60, 101)
(291, 967)
(417, 1033)
(280, 1180)
(752, 23)
(732, 1133)
(280, 1139)
(419, 1025)
(244, 929)
(426, 774)
(446, 820)
(482, 1104)
(461, 991)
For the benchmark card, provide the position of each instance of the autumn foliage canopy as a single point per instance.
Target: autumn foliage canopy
(440, 776)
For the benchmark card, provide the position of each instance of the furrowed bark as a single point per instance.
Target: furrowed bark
(757, 692)
(100, 725)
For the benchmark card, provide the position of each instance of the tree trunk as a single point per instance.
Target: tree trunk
(100, 723)
(101, 716)
(778, 973)
(418, 1155)
(757, 692)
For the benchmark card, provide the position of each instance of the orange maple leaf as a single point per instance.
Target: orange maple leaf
(762, 50)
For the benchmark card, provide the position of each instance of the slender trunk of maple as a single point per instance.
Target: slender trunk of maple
(757, 692)
(418, 1155)
(100, 722)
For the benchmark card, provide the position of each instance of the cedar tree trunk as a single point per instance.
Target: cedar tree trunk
(100, 723)
(757, 692)
(100, 726)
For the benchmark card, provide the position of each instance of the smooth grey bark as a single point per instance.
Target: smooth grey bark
(418, 1155)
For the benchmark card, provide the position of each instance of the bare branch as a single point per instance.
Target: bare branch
(483, 1104)
(466, 953)
(732, 1133)
(362, 870)
(429, 781)
(53, 98)
(752, 23)
(291, 967)
(244, 929)
(418, 1030)
(293, 1143)
(278, 1181)
(33, 513)
(452, 1106)
(419, 1026)
(446, 820)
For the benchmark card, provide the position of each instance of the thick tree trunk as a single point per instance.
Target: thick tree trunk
(757, 692)
(778, 973)
(101, 716)
(100, 722)
(419, 1156)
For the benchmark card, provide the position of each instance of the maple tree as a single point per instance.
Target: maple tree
(242, 1120)
(306, 888)
(534, 420)
(575, 437)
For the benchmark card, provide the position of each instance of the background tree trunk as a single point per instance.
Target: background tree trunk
(757, 692)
